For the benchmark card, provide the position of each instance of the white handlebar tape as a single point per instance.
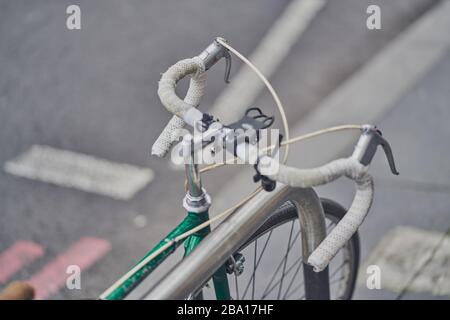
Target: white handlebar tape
(166, 92)
(349, 224)
(168, 83)
(346, 227)
(305, 178)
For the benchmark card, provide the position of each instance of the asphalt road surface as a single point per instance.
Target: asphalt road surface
(93, 91)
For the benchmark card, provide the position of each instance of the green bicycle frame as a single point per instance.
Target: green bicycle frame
(200, 204)
(192, 220)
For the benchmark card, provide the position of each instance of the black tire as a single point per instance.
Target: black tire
(333, 213)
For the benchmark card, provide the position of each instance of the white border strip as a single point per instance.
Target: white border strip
(420, 264)
(375, 89)
(80, 171)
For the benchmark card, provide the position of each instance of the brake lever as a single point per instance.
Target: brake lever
(367, 146)
(389, 155)
(213, 53)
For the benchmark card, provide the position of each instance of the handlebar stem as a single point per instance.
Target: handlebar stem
(213, 53)
(196, 199)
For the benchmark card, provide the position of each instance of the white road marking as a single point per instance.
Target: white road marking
(270, 53)
(80, 171)
(403, 252)
(268, 56)
(375, 89)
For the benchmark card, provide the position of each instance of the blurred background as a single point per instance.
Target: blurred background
(93, 91)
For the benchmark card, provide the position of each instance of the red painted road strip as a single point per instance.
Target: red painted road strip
(20, 254)
(52, 277)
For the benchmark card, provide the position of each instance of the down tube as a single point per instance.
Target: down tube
(120, 291)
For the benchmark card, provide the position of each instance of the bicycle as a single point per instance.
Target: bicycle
(285, 204)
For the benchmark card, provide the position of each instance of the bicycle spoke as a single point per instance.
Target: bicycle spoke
(285, 261)
(257, 264)
(237, 286)
(268, 291)
(278, 269)
(254, 269)
(287, 272)
(293, 278)
(294, 290)
(301, 284)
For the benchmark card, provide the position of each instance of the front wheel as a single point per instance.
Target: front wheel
(270, 266)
